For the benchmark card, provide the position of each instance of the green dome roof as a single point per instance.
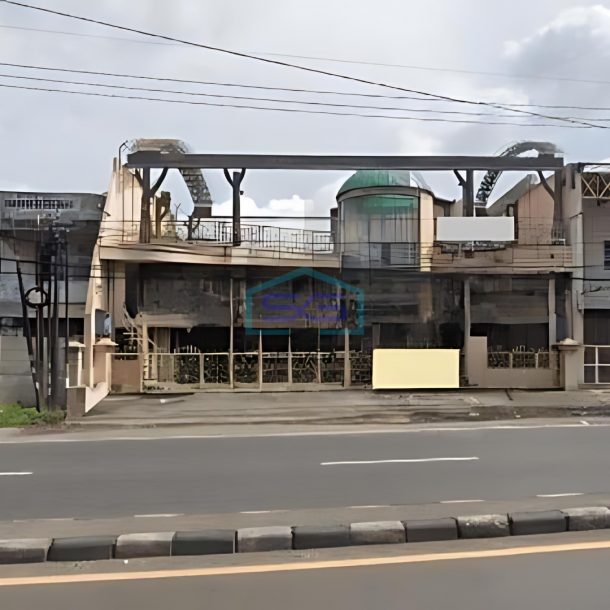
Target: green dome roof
(376, 177)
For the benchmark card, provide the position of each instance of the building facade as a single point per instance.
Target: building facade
(182, 304)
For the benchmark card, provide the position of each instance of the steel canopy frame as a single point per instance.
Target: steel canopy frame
(161, 160)
(147, 160)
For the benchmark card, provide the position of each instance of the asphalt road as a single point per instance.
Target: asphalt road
(557, 581)
(194, 476)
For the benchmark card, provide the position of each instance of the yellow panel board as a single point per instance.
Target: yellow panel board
(402, 369)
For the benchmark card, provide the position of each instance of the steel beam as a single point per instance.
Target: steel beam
(154, 159)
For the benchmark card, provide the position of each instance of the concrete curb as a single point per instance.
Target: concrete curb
(301, 537)
(431, 530)
(543, 522)
(82, 548)
(483, 526)
(320, 536)
(583, 519)
(130, 546)
(207, 542)
(377, 532)
(29, 550)
(260, 539)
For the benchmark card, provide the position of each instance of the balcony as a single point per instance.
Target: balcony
(213, 239)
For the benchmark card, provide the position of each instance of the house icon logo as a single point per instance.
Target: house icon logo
(291, 301)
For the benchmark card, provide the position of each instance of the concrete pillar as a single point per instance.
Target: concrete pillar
(347, 370)
(231, 333)
(466, 325)
(145, 347)
(552, 314)
(572, 355)
(89, 323)
(289, 360)
(260, 359)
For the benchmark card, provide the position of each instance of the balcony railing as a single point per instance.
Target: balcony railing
(216, 232)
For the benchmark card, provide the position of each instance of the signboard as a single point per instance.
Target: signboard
(465, 228)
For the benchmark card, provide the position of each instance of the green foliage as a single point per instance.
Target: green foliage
(16, 416)
(50, 418)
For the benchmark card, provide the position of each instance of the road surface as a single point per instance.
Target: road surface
(121, 478)
(549, 581)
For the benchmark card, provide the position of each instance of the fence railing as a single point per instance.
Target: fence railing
(216, 232)
(597, 363)
(250, 369)
(518, 360)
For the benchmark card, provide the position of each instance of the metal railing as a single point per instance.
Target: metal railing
(217, 232)
(518, 360)
(597, 363)
(168, 372)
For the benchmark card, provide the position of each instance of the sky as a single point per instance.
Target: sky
(530, 51)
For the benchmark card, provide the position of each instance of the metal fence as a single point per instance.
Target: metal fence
(170, 372)
(518, 360)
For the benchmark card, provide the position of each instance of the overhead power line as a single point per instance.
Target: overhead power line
(333, 59)
(298, 110)
(262, 99)
(265, 88)
(294, 66)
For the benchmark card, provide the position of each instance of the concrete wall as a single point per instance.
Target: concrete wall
(15, 376)
(596, 230)
(480, 375)
(572, 209)
(426, 229)
(535, 216)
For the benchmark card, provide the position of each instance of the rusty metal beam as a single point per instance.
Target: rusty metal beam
(155, 159)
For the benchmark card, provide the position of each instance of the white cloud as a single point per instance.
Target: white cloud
(277, 207)
(66, 143)
(582, 26)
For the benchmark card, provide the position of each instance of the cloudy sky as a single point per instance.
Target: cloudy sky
(525, 51)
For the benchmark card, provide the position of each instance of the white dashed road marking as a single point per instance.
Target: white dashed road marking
(446, 459)
(14, 474)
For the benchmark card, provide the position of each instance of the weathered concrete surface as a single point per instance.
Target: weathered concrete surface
(259, 539)
(157, 544)
(483, 526)
(346, 407)
(587, 518)
(377, 532)
(28, 550)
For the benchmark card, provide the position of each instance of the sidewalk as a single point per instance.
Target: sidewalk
(346, 408)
